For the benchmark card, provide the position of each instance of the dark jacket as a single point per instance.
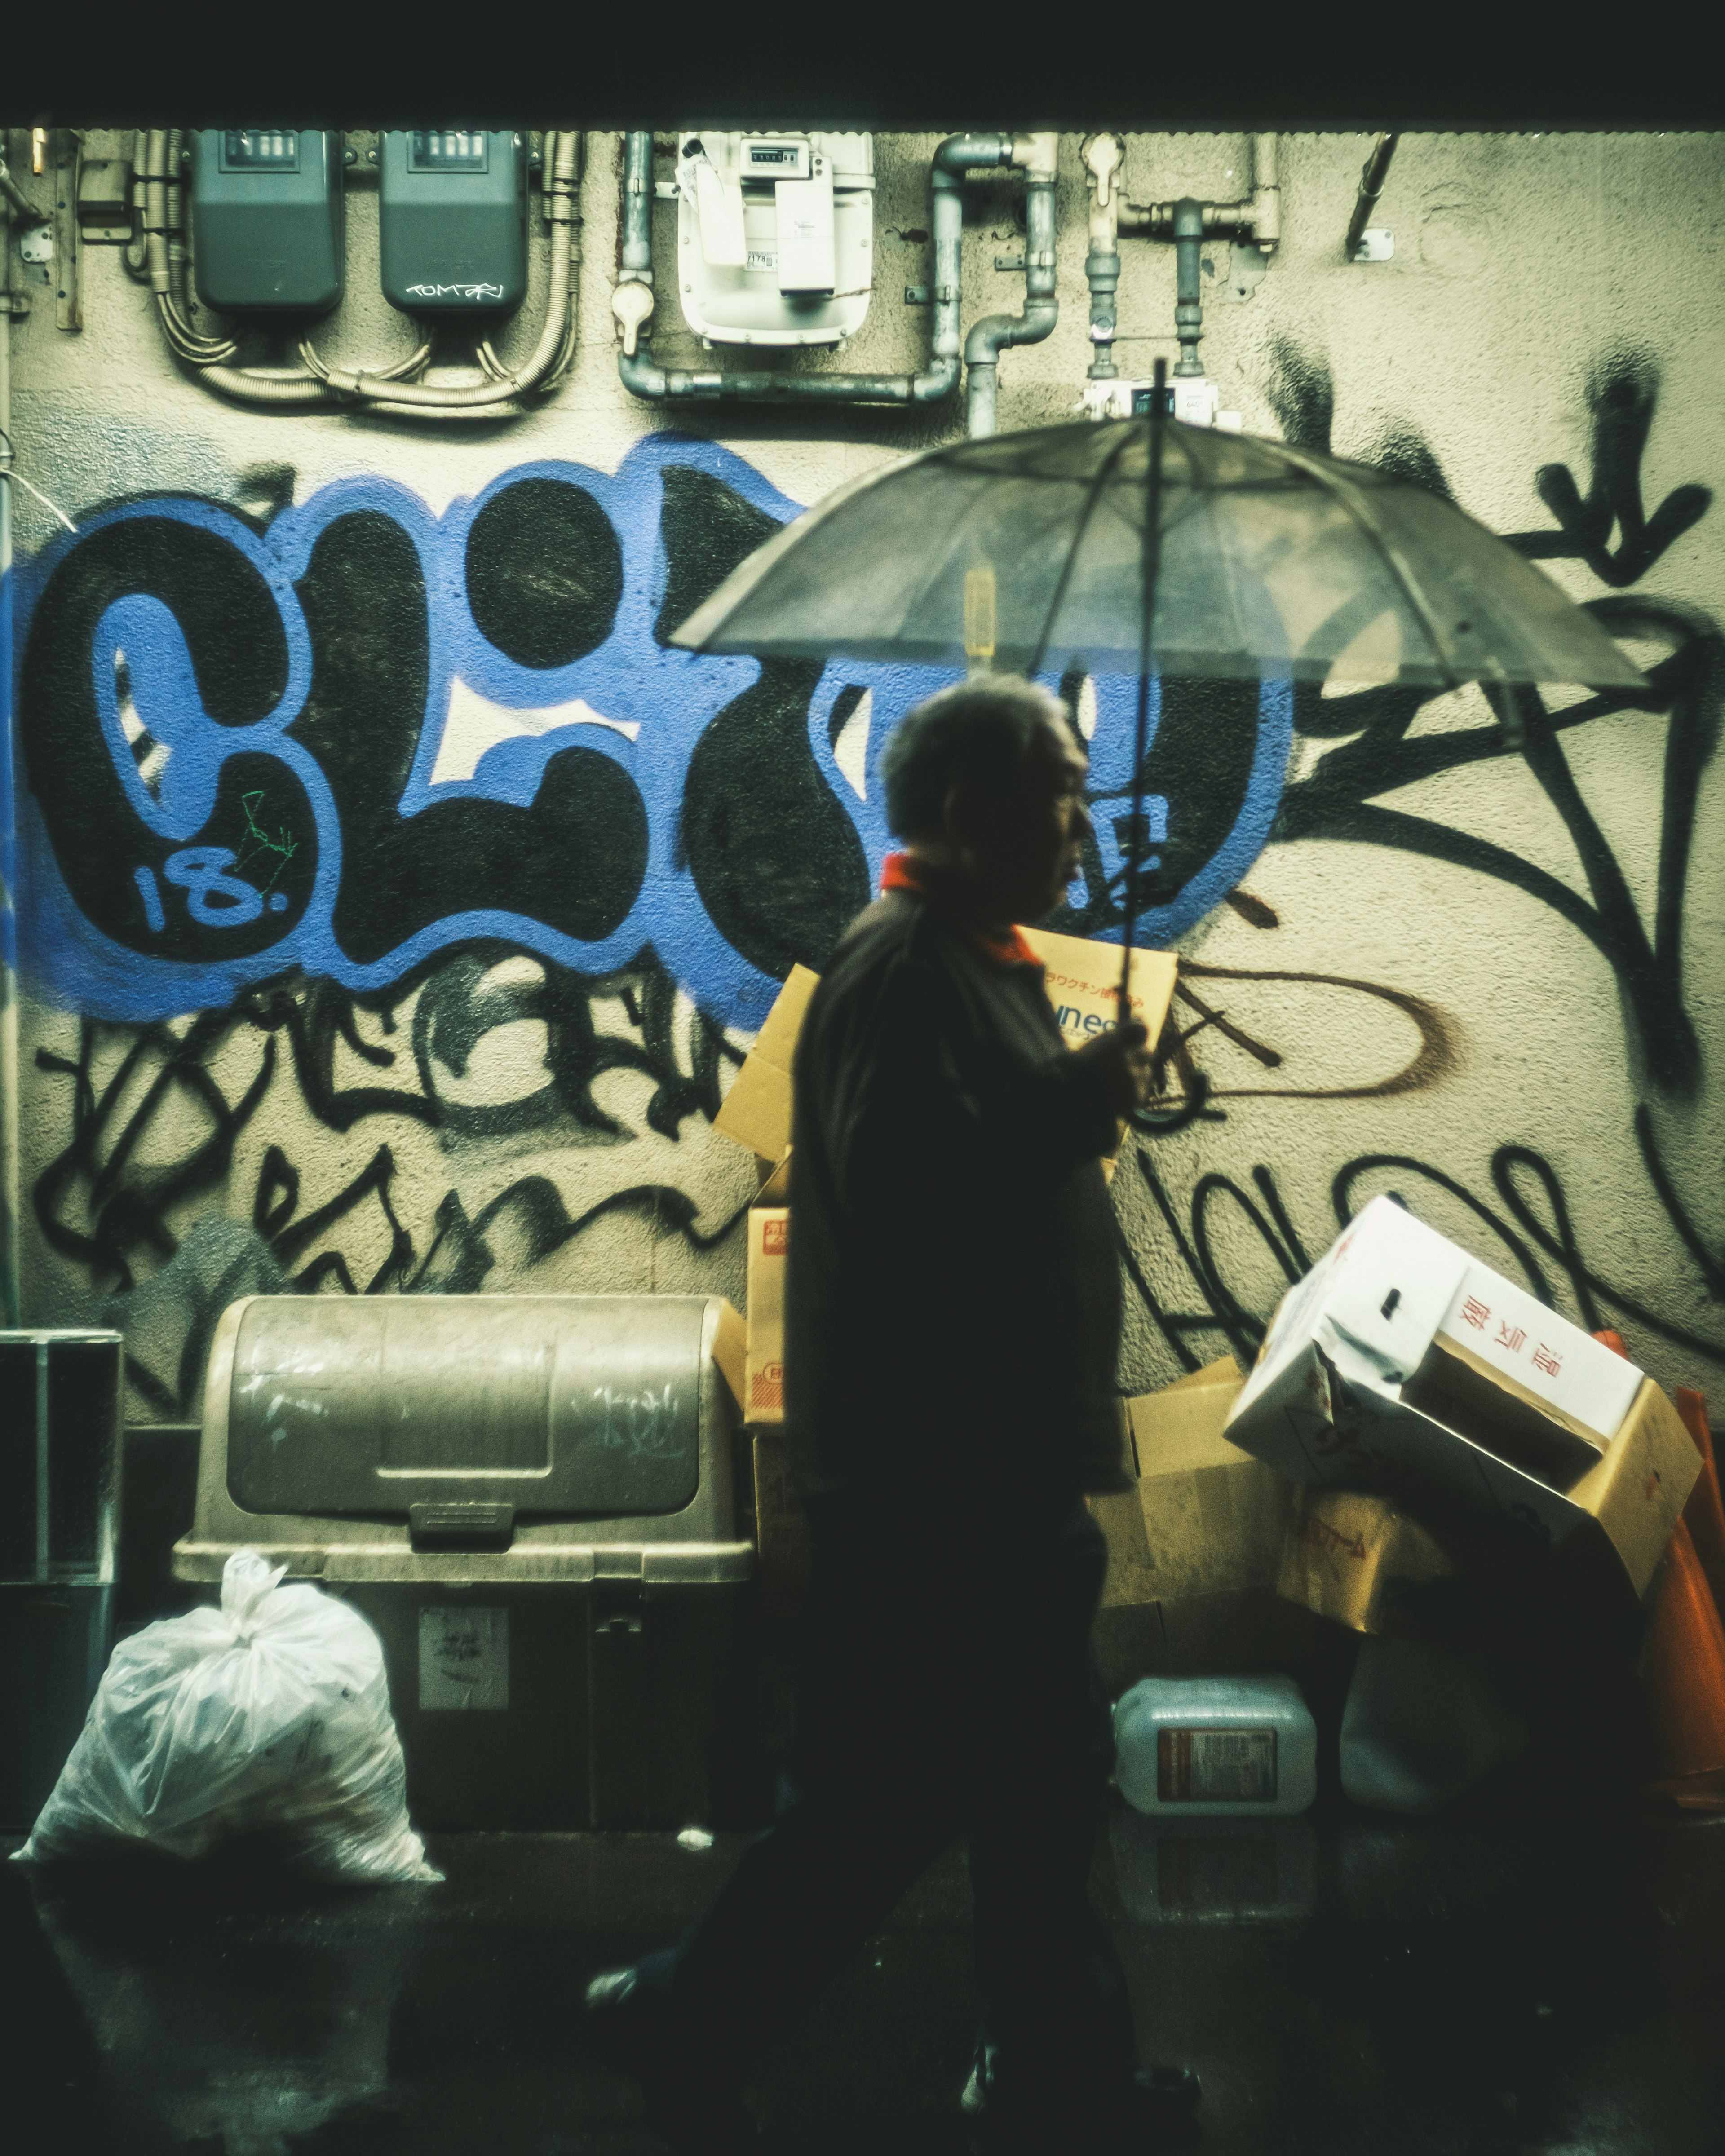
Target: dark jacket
(952, 1292)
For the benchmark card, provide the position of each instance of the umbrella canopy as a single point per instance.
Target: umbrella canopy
(1028, 551)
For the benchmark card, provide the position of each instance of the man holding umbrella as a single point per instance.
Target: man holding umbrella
(952, 1329)
(953, 1302)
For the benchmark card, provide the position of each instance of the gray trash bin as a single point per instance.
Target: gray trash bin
(531, 1498)
(60, 1402)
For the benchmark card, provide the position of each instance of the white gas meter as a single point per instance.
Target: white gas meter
(775, 235)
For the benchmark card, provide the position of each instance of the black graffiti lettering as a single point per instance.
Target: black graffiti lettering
(544, 572)
(573, 859)
(1523, 1239)
(101, 1206)
(777, 861)
(150, 893)
(1375, 754)
(1206, 738)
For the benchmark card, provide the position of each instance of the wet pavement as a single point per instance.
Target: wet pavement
(1345, 1984)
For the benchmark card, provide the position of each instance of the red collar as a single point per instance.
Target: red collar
(903, 872)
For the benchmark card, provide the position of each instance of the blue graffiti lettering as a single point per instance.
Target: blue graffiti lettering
(370, 733)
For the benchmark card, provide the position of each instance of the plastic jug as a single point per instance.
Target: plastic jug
(1422, 1726)
(1216, 1748)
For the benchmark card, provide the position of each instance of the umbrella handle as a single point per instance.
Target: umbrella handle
(1163, 1126)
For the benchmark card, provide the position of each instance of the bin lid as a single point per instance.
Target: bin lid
(553, 1405)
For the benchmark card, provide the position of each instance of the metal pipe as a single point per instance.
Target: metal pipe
(1372, 175)
(1156, 220)
(27, 211)
(989, 337)
(1188, 299)
(1102, 155)
(1266, 191)
(632, 300)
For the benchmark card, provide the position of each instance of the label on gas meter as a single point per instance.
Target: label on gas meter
(1215, 1766)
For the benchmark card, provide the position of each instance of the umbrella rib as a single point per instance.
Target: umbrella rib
(1341, 491)
(1105, 472)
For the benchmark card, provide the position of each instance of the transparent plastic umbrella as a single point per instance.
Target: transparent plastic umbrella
(1145, 546)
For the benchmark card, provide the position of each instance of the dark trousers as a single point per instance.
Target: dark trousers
(947, 1688)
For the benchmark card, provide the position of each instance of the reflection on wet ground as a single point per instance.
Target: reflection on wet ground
(1345, 1987)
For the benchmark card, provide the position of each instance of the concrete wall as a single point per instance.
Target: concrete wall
(527, 879)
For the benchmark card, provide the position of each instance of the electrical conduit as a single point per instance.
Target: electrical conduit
(381, 388)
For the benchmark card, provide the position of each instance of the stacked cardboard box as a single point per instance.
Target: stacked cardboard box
(1423, 1450)
(1082, 978)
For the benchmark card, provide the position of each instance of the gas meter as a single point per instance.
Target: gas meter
(452, 219)
(775, 235)
(266, 219)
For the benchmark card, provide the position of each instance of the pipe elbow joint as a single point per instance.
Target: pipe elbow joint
(984, 339)
(1038, 155)
(959, 153)
(937, 380)
(638, 375)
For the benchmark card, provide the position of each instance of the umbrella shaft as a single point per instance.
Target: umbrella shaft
(1150, 557)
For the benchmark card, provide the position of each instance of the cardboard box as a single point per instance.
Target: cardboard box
(1206, 1518)
(1401, 1367)
(757, 1111)
(1080, 977)
(769, 1239)
(1347, 1556)
(730, 1352)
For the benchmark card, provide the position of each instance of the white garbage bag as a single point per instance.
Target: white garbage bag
(268, 1715)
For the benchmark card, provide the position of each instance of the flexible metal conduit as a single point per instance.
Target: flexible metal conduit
(388, 389)
(631, 302)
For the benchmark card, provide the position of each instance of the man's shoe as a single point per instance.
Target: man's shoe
(1153, 2109)
(698, 2118)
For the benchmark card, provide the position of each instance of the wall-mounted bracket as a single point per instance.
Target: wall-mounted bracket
(63, 170)
(1376, 244)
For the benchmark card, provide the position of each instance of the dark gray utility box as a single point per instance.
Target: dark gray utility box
(531, 1498)
(60, 1404)
(267, 219)
(452, 220)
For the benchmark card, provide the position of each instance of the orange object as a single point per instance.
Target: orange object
(1683, 1681)
(1683, 1655)
(1704, 1514)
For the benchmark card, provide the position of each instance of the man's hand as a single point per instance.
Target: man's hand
(1123, 1056)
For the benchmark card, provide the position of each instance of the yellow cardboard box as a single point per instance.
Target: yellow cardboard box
(757, 1111)
(1402, 1369)
(769, 1240)
(1080, 977)
(1205, 1518)
(730, 1349)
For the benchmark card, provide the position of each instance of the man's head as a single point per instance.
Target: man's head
(987, 779)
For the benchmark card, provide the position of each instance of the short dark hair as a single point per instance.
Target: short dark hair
(976, 733)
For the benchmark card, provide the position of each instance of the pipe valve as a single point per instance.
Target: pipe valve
(1103, 156)
(632, 304)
